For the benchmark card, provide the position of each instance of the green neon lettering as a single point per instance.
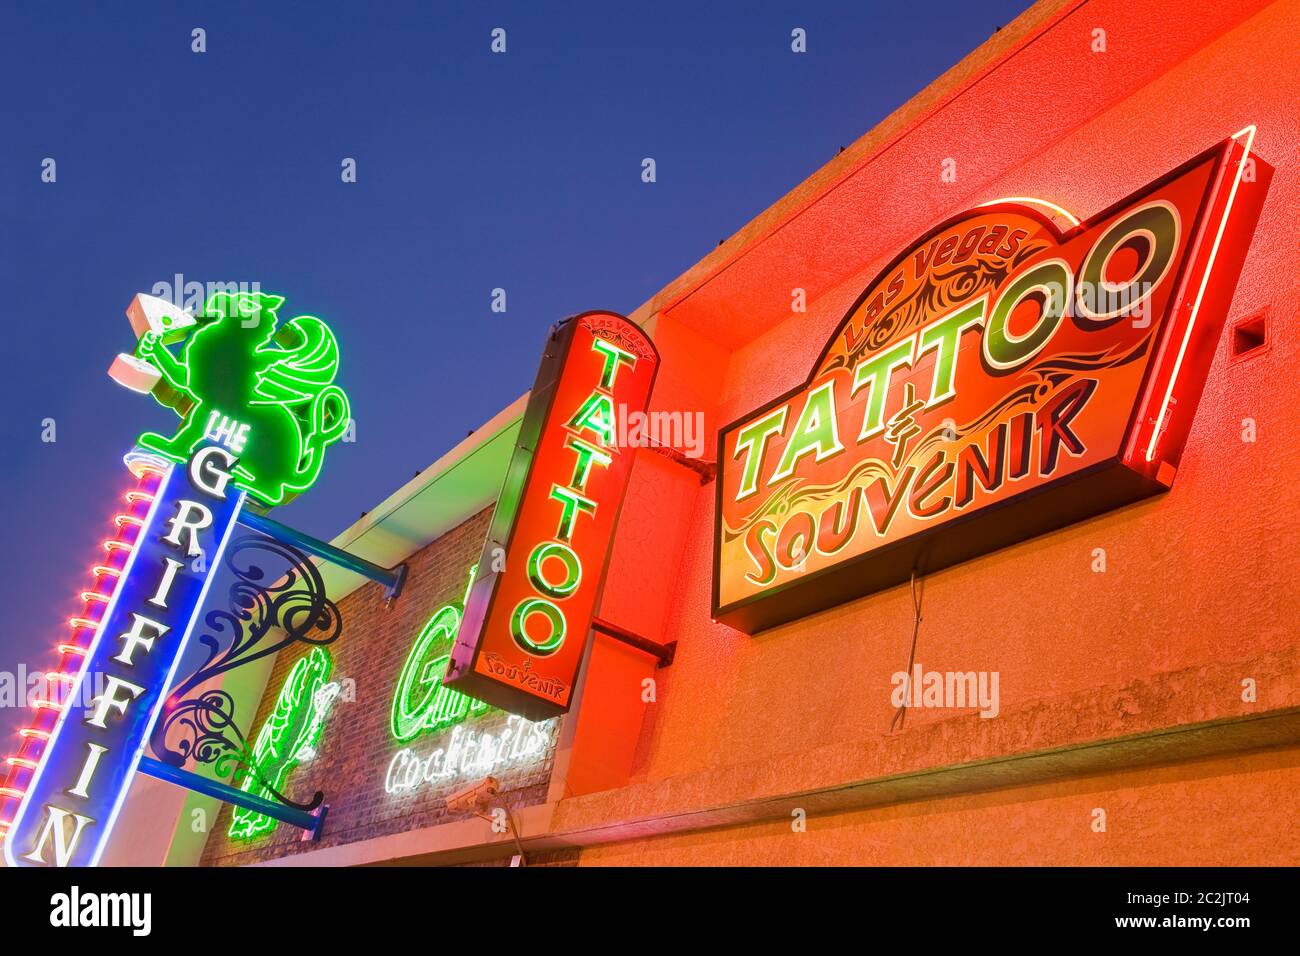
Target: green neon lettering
(874, 373)
(816, 432)
(1157, 224)
(587, 456)
(615, 358)
(1053, 282)
(572, 569)
(596, 415)
(572, 504)
(945, 336)
(752, 442)
(420, 703)
(532, 607)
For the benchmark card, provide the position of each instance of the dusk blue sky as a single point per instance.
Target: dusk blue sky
(475, 171)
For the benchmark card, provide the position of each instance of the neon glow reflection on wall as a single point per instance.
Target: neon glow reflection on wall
(469, 753)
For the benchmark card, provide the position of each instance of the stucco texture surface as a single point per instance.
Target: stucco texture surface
(1201, 576)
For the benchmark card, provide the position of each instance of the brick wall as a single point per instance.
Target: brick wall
(356, 746)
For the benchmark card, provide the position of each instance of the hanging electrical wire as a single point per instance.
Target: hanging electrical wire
(900, 715)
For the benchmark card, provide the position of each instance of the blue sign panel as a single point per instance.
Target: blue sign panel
(85, 771)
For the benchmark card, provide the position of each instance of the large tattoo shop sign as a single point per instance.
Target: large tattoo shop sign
(1012, 371)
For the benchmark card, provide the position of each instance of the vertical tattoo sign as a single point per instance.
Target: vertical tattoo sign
(527, 619)
(78, 787)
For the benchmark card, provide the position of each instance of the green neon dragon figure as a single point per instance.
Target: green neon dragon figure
(287, 738)
(267, 392)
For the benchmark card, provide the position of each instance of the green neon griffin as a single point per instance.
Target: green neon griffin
(288, 737)
(267, 392)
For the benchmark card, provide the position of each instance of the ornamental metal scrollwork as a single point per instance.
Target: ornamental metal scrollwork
(277, 599)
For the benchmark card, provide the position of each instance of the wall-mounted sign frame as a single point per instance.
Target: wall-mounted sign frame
(528, 617)
(1012, 371)
(258, 406)
(72, 801)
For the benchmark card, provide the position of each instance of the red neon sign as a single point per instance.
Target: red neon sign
(1011, 372)
(529, 612)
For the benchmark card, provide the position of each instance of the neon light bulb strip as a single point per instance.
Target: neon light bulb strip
(144, 463)
(1034, 201)
(148, 474)
(1249, 133)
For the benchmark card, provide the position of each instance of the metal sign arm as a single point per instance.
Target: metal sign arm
(308, 821)
(392, 579)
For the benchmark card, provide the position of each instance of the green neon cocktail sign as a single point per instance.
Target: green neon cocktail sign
(421, 704)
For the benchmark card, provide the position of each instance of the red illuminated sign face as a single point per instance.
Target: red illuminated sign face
(1012, 372)
(543, 565)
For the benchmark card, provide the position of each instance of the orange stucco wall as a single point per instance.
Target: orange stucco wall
(1227, 811)
(1200, 579)
(1125, 732)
